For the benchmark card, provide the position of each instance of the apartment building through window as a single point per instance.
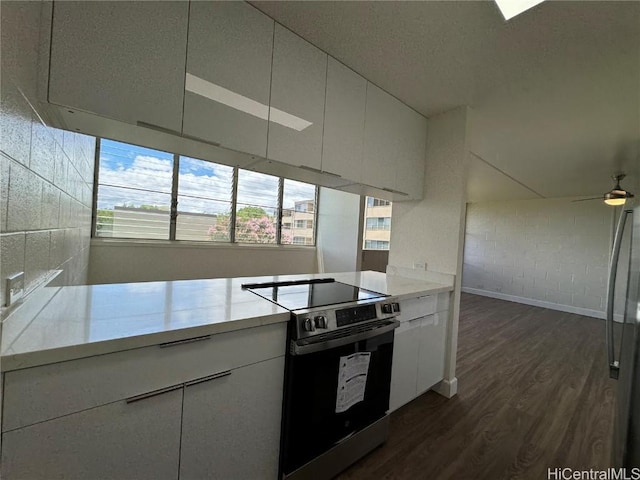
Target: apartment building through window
(377, 224)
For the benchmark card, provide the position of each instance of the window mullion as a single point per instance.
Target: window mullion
(279, 211)
(234, 203)
(96, 174)
(174, 197)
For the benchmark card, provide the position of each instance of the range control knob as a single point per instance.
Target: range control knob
(395, 306)
(321, 321)
(387, 308)
(308, 325)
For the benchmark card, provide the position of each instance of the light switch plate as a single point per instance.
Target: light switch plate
(15, 288)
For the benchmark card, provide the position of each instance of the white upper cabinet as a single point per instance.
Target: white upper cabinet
(228, 75)
(121, 60)
(411, 155)
(297, 101)
(380, 139)
(394, 145)
(344, 121)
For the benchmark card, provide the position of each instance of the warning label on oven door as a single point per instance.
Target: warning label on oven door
(352, 380)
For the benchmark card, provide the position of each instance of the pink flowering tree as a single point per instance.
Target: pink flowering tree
(253, 225)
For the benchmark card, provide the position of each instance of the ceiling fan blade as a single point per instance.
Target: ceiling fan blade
(586, 199)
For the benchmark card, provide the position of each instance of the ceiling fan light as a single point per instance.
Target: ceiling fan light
(614, 202)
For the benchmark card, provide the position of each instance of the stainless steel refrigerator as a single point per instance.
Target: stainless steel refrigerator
(624, 358)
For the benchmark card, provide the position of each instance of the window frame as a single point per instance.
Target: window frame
(173, 213)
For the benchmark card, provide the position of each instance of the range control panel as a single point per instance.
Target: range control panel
(349, 316)
(318, 321)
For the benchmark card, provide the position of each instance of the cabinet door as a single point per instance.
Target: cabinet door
(411, 156)
(404, 370)
(231, 424)
(228, 75)
(119, 440)
(432, 347)
(344, 122)
(381, 142)
(121, 60)
(297, 100)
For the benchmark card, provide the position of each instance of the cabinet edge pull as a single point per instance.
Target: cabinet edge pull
(391, 190)
(158, 128)
(202, 140)
(317, 170)
(226, 373)
(154, 393)
(182, 342)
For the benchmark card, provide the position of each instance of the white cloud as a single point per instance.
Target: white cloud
(147, 181)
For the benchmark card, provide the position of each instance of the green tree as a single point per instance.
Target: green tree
(251, 212)
(104, 222)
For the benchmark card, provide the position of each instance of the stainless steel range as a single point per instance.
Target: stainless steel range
(338, 373)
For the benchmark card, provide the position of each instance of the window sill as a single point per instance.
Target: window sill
(127, 242)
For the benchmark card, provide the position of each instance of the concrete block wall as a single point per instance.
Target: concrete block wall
(552, 253)
(46, 174)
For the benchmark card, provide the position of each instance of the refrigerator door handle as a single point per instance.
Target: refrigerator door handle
(614, 366)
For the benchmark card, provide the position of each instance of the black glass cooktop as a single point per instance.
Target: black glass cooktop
(311, 293)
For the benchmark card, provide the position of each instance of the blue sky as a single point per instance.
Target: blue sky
(136, 175)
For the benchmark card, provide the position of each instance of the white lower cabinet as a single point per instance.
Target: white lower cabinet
(231, 424)
(120, 440)
(431, 352)
(404, 370)
(419, 348)
(207, 407)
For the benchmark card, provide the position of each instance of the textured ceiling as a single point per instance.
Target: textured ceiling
(556, 90)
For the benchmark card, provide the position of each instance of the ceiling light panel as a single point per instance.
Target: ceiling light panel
(511, 8)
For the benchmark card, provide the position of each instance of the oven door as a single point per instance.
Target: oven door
(313, 420)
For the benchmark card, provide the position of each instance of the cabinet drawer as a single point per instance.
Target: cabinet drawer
(417, 307)
(50, 391)
(121, 440)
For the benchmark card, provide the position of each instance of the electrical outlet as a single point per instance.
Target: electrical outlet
(15, 288)
(420, 266)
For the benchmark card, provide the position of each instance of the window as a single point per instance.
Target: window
(204, 201)
(134, 191)
(256, 208)
(150, 194)
(377, 202)
(376, 245)
(377, 224)
(298, 203)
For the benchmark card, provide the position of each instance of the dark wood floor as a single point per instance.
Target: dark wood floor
(533, 393)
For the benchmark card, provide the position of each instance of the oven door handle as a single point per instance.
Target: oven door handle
(297, 349)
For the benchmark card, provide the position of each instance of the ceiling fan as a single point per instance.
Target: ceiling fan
(616, 196)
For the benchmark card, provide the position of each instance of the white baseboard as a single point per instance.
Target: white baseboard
(447, 388)
(540, 303)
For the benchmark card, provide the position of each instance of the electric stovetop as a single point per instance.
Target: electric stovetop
(302, 294)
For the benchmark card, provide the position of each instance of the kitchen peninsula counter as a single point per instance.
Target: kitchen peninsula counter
(56, 324)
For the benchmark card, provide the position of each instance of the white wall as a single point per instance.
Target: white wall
(552, 253)
(46, 175)
(339, 231)
(431, 230)
(126, 261)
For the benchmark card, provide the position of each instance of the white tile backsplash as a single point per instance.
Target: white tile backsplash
(15, 123)
(12, 247)
(46, 180)
(36, 258)
(548, 250)
(42, 160)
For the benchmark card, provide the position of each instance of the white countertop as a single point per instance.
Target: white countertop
(62, 323)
